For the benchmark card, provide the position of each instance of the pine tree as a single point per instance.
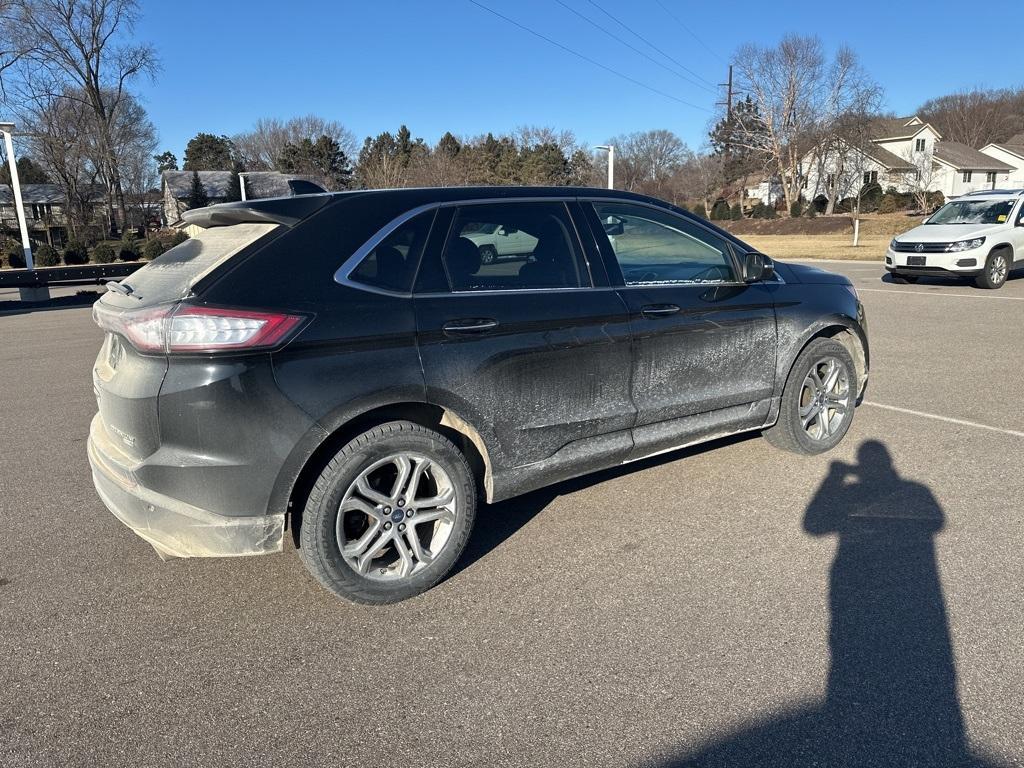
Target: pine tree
(234, 190)
(197, 197)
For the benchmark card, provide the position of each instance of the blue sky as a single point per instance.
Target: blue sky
(440, 65)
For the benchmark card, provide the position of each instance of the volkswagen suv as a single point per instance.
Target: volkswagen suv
(350, 368)
(979, 236)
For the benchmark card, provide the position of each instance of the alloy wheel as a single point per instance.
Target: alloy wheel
(825, 399)
(396, 517)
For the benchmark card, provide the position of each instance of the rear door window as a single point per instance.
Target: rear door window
(171, 275)
(391, 265)
(514, 246)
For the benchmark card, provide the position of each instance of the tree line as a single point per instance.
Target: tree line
(68, 70)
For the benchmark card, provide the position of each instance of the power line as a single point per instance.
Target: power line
(689, 31)
(648, 42)
(634, 48)
(588, 59)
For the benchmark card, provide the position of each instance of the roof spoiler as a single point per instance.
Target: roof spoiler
(304, 187)
(287, 211)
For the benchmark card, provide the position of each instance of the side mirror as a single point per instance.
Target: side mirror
(757, 267)
(614, 229)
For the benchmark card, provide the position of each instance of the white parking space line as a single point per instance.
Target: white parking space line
(936, 293)
(947, 419)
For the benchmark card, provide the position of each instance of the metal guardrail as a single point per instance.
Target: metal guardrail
(85, 274)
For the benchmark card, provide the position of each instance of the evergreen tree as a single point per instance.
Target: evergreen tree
(206, 152)
(234, 190)
(323, 158)
(166, 161)
(197, 197)
(28, 172)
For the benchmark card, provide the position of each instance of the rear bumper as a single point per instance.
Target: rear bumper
(173, 527)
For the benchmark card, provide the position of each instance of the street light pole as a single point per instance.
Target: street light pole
(33, 293)
(7, 129)
(610, 149)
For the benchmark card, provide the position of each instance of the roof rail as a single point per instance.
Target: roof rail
(1013, 192)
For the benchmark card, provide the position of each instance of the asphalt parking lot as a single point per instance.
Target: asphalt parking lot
(732, 605)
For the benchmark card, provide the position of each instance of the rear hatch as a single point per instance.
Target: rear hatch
(134, 313)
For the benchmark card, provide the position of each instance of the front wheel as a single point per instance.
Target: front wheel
(818, 400)
(389, 515)
(997, 269)
(488, 254)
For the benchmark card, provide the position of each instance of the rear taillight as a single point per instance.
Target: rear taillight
(185, 328)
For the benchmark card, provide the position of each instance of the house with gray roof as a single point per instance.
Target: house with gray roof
(1010, 152)
(177, 185)
(910, 155)
(45, 210)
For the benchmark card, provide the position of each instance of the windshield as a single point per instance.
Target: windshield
(973, 212)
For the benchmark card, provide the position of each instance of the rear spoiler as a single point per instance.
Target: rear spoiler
(287, 211)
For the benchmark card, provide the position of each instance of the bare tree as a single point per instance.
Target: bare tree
(921, 181)
(60, 137)
(647, 161)
(80, 49)
(799, 97)
(701, 178)
(976, 117)
(261, 148)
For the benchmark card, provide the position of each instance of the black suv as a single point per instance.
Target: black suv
(349, 366)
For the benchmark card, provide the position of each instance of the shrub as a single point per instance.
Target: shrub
(13, 254)
(152, 249)
(720, 211)
(935, 201)
(888, 204)
(129, 248)
(178, 238)
(810, 212)
(870, 197)
(736, 212)
(103, 253)
(762, 211)
(700, 210)
(75, 252)
(45, 256)
(795, 209)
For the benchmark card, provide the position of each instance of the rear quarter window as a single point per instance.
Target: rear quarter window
(171, 275)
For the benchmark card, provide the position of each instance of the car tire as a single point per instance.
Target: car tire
(488, 254)
(997, 269)
(359, 543)
(814, 414)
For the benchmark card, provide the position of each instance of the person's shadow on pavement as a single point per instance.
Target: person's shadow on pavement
(891, 697)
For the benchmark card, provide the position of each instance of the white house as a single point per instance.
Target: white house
(908, 154)
(1012, 153)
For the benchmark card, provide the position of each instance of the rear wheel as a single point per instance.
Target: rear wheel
(389, 515)
(818, 400)
(488, 254)
(997, 269)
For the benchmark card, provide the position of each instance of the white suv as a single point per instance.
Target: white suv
(979, 235)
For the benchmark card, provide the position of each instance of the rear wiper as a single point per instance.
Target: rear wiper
(124, 290)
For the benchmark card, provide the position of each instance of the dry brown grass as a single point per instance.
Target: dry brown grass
(872, 247)
(826, 237)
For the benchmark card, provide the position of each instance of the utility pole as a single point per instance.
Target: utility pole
(728, 95)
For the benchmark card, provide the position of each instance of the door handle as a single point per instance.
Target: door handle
(470, 325)
(659, 310)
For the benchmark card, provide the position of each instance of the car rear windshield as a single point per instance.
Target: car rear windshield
(171, 275)
(973, 212)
